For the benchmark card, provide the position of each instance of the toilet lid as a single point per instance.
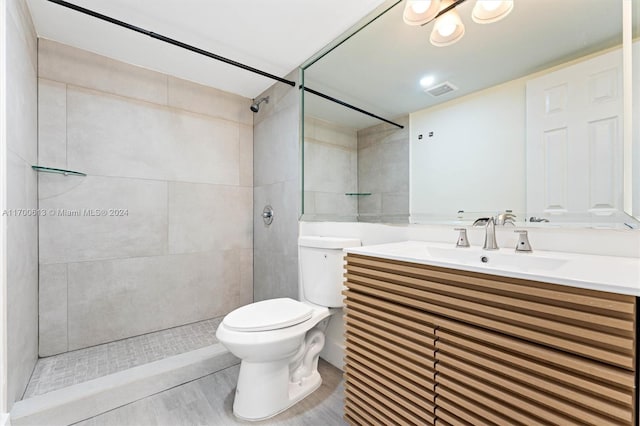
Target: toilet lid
(268, 315)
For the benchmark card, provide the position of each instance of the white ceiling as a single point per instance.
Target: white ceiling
(275, 36)
(379, 68)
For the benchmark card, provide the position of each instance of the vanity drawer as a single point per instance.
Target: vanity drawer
(496, 376)
(589, 323)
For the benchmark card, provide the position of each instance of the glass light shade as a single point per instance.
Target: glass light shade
(489, 11)
(447, 30)
(418, 12)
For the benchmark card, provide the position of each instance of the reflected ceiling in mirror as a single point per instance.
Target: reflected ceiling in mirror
(380, 67)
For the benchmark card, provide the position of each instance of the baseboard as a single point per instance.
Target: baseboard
(85, 400)
(5, 420)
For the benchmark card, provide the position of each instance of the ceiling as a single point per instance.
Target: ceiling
(275, 36)
(380, 67)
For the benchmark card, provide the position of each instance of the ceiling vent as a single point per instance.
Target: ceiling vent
(441, 89)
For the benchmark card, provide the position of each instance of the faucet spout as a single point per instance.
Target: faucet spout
(490, 242)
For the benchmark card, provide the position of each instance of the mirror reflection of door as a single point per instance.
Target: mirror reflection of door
(574, 140)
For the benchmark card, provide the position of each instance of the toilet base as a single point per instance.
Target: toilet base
(257, 400)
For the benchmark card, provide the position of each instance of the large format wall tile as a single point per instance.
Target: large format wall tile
(20, 152)
(179, 158)
(246, 156)
(67, 64)
(53, 309)
(330, 168)
(194, 97)
(276, 148)
(383, 170)
(142, 231)
(282, 235)
(113, 136)
(114, 299)
(21, 90)
(22, 275)
(209, 217)
(276, 182)
(52, 124)
(276, 275)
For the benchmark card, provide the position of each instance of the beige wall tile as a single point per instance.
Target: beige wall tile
(22, 275)
(78, 67)
(201, 99)
(209, 217)
(114, 136)
(21, 90)
(246, 155)
(53, 309)
(52, 124)
(114, 299)
(141, 232)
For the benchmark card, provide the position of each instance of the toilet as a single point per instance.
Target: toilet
(279, 340)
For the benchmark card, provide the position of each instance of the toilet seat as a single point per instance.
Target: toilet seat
(267, 315)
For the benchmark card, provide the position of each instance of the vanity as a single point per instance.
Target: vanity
(446, 336)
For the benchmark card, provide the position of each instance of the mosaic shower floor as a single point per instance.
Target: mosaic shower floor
(79, 366)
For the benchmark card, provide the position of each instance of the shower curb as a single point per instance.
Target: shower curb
(79, 402)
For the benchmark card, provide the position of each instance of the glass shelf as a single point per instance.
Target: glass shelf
(357, 194)
(59, 171)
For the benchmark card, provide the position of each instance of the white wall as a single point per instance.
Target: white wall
(21, 237)
(178, 157)
(446, 175)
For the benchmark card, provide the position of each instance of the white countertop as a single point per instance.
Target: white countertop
(605, 273)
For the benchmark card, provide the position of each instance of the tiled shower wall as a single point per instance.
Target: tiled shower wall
(19, 45)
(330, 171)
(170, 163)
(383, 170)
(277, 183)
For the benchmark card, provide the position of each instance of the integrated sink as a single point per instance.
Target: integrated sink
(605, 273)
(502, 258)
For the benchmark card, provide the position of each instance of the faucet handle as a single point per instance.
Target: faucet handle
(523, 244)
(462, 238)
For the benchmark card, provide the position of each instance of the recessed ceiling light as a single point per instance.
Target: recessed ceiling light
(427, 81)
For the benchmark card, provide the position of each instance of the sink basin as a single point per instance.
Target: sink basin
(503, 258)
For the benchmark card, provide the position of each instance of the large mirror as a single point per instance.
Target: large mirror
(525, 115)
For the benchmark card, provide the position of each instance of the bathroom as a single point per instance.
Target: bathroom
(118, 271)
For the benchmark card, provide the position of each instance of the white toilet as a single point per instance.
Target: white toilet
(279, 340)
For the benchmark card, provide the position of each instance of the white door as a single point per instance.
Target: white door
(574, 139)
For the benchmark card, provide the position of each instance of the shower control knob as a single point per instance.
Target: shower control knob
(267, 215)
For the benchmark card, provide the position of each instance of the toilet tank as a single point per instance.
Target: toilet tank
(322, 269)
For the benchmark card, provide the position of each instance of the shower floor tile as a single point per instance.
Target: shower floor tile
(79, 366)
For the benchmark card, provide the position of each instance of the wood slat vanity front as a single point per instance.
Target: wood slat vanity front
(432, 345)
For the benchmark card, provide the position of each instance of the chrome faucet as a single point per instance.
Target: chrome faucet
(505, 218)
(490, 242)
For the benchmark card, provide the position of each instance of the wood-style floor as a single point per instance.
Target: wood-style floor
(208, 402)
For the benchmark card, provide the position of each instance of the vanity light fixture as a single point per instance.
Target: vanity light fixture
(448, 27)
(490, 11)
(419, 12)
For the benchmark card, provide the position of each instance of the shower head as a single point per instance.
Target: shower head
(255, 106)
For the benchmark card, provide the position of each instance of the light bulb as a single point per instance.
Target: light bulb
(490, 5)
(420, 6)
(427, 81)
(447, 25)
